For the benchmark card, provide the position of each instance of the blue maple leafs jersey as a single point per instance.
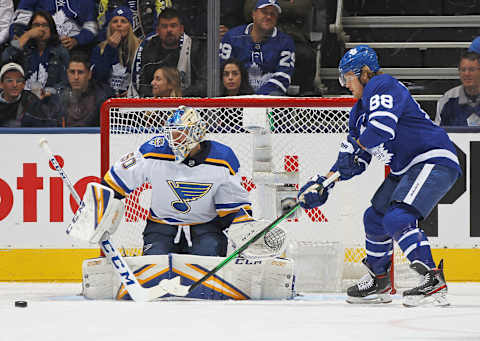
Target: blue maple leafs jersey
(395, 130)
(77, 19)
(182, 194)
(270, 64)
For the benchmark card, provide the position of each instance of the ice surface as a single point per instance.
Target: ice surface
(57, 312)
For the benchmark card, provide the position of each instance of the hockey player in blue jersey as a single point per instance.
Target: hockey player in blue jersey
(387, 123)
(267, 53)
(196, 187)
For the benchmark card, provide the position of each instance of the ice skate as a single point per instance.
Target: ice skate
(431, 291)
(371, 288)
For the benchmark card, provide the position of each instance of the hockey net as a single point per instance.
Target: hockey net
(327, 244)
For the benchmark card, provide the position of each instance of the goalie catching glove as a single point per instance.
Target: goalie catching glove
(271, 245)
(309, 197)
(352, 159)
(99, 212)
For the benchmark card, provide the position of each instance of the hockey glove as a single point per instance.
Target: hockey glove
(309, 197)
(351, 159)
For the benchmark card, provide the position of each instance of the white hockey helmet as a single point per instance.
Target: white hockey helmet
(184, 130)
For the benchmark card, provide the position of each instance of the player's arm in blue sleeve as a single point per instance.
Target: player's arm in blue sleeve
(282, 76)
(352, 160)
(385, 101)
(89, 29)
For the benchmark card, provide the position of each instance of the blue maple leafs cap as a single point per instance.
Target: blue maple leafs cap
(265, 3)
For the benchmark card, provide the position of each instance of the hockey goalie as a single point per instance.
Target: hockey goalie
(198, 210)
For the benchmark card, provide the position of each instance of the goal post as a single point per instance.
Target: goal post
(300, 139)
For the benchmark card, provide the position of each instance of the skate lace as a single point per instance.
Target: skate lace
(365, 282)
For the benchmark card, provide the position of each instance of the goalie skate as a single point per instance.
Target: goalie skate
(371, 288)
(432, 290)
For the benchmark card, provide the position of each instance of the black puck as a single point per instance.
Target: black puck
(20, 304)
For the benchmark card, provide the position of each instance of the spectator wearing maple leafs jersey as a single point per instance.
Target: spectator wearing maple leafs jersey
(75, 20)
(267, 53)
(113, 57)
(44, 59)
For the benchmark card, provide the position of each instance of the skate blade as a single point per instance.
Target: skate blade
(371, 299)
(436, 300)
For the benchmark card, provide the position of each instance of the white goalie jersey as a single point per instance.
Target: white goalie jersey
(192, 192)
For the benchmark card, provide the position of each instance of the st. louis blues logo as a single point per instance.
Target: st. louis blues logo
(187, 191)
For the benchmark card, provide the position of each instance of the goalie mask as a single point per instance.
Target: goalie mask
(355, 59)
(184, 130)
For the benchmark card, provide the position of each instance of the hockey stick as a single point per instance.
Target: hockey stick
(127, 277)
(182, 290)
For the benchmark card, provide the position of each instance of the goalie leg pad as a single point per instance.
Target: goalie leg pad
(239, 280)
(100, 213)
(99, 281)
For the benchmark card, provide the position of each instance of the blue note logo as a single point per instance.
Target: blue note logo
(186, 192)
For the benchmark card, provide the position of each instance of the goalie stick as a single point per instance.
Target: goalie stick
(120, 266)
(175, 288)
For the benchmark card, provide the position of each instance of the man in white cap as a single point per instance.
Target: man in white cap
(267, 53)
(19, 107)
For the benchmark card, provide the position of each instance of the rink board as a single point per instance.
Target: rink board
(35, 210)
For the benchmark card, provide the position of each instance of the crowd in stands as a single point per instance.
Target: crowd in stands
(460, 106)
(62, 59)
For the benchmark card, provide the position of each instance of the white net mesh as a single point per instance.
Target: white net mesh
(305, 135)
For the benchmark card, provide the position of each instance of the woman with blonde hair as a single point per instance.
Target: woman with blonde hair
(166, 82)
(112, 58)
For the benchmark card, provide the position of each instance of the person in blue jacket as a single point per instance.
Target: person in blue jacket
(75, 20)
(267, 53)
(113, 57)
(460, 106)
(42, 55)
